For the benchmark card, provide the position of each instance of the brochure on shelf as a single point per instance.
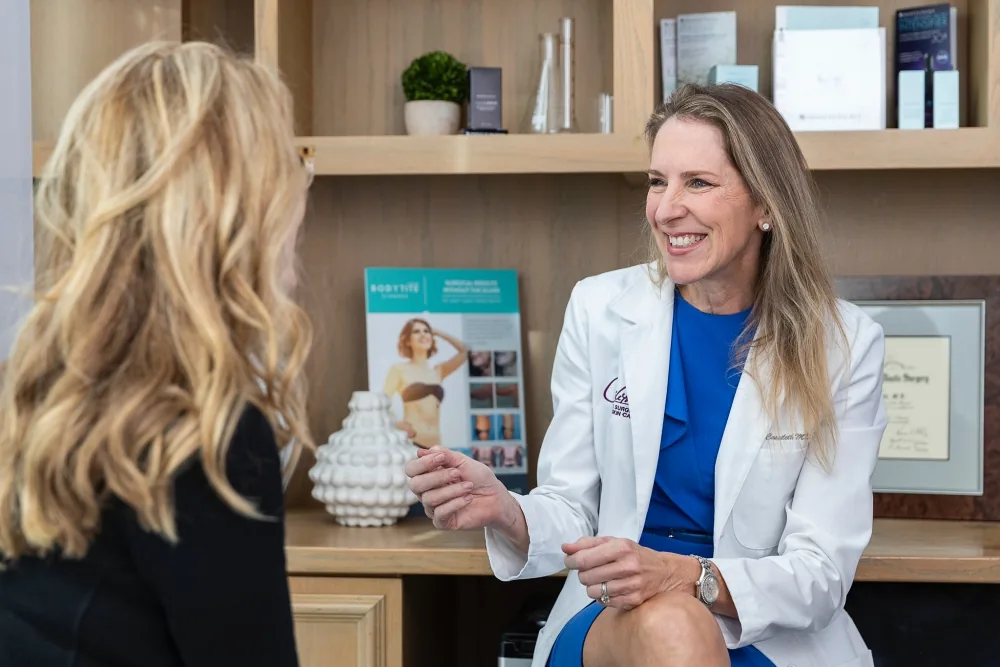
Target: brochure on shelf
(445, 346)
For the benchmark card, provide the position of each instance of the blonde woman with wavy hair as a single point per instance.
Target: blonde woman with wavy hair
(158, 375)
(705, 479)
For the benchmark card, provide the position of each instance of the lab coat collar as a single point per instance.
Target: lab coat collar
(646, 312)
(746, 429)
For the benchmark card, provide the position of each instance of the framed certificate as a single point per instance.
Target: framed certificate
(917, 389)
(940, 454)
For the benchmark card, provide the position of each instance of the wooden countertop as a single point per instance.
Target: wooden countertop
(900, 550)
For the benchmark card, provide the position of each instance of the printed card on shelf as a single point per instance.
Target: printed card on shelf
(445, 346)
(830, 79)
(668, 57)
(704, 41)
(805, 17)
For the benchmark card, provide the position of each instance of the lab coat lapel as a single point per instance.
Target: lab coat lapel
(742, 439)
(647, 317)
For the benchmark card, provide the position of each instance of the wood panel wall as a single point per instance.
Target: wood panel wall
(62, 63)
(226, 22)
(557, 229)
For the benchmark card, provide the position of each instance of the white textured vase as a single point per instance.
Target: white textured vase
(431, 117)
(359, 473)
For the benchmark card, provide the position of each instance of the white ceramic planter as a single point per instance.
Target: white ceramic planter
(431, 117)
(359, 473)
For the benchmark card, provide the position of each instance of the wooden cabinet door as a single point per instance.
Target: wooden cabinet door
(346, 622)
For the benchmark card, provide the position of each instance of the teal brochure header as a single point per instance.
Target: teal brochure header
(391, 290)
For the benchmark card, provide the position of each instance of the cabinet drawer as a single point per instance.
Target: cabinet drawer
(348, 622)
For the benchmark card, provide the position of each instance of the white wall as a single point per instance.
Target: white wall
(16, 225)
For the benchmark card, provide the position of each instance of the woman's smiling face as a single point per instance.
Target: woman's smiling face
(420, 336)
(703, 219)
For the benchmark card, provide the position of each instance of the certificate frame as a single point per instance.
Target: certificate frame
(966, 485)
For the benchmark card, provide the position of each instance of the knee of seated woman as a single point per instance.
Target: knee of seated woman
(672, 617)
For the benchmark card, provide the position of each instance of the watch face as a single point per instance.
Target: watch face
(710, 589)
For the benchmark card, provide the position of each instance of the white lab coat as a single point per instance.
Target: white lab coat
(788, 536)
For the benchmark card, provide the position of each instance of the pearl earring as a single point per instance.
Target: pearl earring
(766, 226)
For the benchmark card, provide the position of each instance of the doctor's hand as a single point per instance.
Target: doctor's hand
(457, 492)
(633, 573)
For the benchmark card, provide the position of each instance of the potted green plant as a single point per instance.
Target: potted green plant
(435, 85)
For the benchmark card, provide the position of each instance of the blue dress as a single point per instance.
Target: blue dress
(700, 391)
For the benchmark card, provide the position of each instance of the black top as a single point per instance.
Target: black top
(219, 596)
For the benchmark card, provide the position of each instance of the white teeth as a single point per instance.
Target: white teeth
(685, 240)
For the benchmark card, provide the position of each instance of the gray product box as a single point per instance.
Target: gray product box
(485, 98)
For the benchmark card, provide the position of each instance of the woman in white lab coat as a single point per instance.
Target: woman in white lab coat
(705, 478)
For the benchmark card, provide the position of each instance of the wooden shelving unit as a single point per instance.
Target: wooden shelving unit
(519, 193)
(554, 208)
(280, 35)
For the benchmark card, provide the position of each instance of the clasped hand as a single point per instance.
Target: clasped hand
(633, 573)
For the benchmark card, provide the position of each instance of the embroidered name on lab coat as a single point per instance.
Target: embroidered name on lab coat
(618, 399)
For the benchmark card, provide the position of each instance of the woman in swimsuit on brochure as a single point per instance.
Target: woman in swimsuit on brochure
(419, 384)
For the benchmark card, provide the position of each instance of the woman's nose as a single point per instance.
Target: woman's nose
(670, 206)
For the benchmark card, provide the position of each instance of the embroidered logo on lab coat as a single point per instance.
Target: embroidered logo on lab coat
(618, 399)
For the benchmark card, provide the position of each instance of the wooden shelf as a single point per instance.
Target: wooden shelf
(476, 154)
(460, 154)
(900, 550)
(610, 153)
(316, 544)
(967, 147)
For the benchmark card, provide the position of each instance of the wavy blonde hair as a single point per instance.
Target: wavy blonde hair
(795, 301)
(165, 214)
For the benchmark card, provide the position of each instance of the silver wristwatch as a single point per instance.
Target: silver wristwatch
(707, 585)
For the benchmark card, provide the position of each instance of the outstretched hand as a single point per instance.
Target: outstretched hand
(457, 492)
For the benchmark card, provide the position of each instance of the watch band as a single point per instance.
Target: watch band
(707, 597)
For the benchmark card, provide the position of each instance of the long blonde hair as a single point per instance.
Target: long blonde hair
(163, 214)
(795, 301)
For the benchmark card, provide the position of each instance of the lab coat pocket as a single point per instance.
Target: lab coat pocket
(759, 512)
